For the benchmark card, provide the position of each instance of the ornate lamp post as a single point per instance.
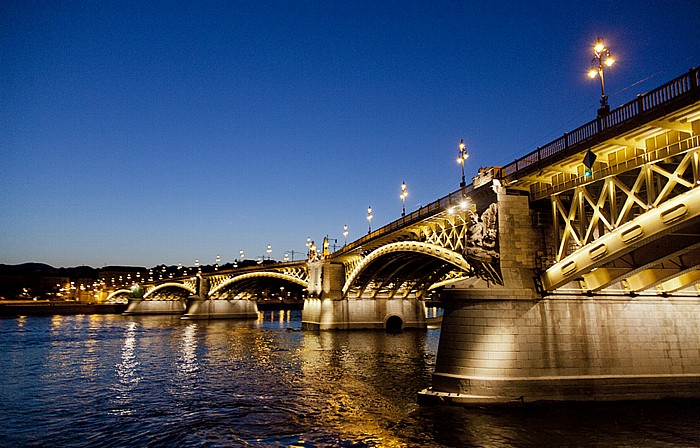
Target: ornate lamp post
(403, 196)
(369, 219)
(345, 235)
(601, 57)
(463, 156)
(269, 251)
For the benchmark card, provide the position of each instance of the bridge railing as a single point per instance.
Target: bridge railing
(626, 114)
(423, 212)
(616, 118)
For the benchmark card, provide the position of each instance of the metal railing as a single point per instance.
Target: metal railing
(628, 113)
(419, 215)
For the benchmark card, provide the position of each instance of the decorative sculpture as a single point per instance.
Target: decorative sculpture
(482, 245)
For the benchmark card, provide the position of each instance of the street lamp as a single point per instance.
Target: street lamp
(463, 156)
(269, 251)
(369, 219)
(345, 235)
(601, 57)
(242, 256)
(403, 196)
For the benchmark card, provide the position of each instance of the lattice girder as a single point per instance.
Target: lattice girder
(292, 276)
(676, 221)
(401, 257)
(447, 231)
(588, 211)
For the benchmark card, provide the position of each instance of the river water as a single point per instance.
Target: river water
(152, 381)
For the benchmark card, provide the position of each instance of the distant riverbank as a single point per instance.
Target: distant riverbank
(49, 308)
(14, 308)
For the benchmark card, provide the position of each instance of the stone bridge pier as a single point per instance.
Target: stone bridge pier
(504, 344)
(327, 308)
(201, 306)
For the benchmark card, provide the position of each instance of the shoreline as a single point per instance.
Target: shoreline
(49, 308)
(15, 308)
(10, 309)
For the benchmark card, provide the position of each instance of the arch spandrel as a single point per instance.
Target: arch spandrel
(447, 256)
(257, 275)
(186, 286)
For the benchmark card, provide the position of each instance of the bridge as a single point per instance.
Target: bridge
(571, 273)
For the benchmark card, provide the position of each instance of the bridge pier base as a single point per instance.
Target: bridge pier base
(141, 306)
(363, 314)
(567, 348)
(327, 309)
(221, 309)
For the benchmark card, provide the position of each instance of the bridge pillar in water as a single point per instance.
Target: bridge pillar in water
(327, 309)
(501, 344)
(201, 306)
(138, 306)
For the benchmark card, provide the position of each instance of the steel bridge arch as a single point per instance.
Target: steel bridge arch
(249, 275)
(117, 293)
(432, 250)
(170, 284)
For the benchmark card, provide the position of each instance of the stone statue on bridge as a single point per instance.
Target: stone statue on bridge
(482, 250)
(313, 254)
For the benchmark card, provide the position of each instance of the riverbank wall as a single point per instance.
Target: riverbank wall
(50, 308)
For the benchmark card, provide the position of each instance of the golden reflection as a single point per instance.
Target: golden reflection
(126, 373)
(89, 363)
(187, 361)
(56, 322)
(346, 399)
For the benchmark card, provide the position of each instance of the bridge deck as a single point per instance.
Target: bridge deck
(558, 164)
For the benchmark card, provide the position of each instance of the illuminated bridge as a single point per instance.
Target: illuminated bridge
(571, 273)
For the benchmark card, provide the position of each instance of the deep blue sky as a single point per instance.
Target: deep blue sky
(141, 133)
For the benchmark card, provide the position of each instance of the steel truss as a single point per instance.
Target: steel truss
(588, 211)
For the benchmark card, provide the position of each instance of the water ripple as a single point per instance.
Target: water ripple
(113, 381)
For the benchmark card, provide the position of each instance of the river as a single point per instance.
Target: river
(157, 381)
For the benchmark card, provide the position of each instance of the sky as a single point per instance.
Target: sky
(143, 133)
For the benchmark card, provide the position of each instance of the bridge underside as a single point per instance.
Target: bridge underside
(260, 288)
(400, 275)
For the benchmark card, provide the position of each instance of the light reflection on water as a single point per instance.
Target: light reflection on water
(159, 381)
(127, 373)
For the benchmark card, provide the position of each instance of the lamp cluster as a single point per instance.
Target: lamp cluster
(601, 58)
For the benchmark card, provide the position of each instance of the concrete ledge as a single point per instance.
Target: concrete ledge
(486, 391)
(429, 397)
(219, 316)
(316, 326)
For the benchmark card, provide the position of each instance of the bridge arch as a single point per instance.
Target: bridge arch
(117, 293)
(404, 257)
(257, 275)
(186, 287)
